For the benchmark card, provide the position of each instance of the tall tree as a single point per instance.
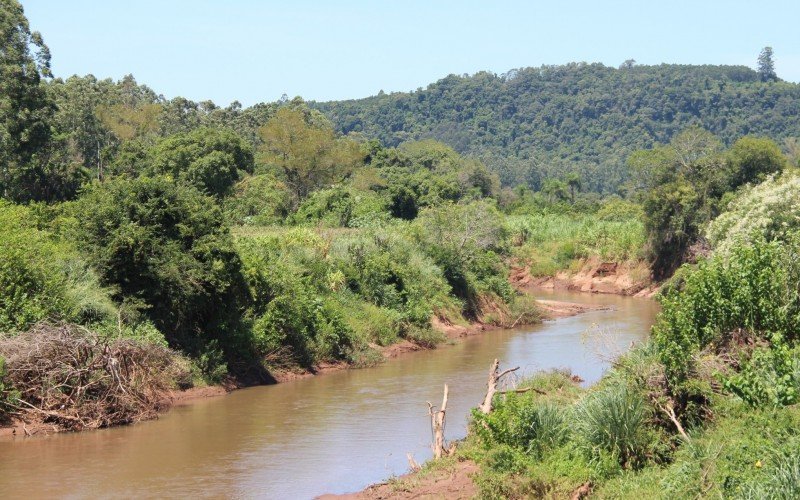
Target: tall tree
(308, 155)
(575, 183)
(25, 109)
(766, 67)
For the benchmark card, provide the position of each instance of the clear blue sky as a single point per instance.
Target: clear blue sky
(255, 51)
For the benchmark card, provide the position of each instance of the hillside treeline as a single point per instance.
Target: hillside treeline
(532, 124)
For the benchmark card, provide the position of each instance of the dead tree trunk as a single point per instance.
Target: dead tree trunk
(491, 388)
(491, 385)
(437, 425)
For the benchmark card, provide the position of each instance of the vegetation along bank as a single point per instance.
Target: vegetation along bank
(149, 245)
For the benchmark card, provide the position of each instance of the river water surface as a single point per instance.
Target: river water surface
(330, 434)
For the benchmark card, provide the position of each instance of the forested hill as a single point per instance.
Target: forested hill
(534, 123)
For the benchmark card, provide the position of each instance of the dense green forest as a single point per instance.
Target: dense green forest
(532, 124)
(149, 244)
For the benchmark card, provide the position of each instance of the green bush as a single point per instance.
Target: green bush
(164, 246)
(753, 290)
(208, 159)
(770, 377)
(258, 200)
(43, 277)
(522, 422)
(342, 206)
(467, 242)
(614, 420)
(387, 270)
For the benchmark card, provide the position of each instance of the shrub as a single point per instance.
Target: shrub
(388, 271)
(613, 420)
(770, 377)
(258, 200)
(206, 158)
(342, 206)
(165, 245)
(753, 290)
(770, 210)
(524, 423)
(466, 241)
(43, 277)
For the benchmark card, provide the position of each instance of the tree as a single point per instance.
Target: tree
(208, 159)
(752, 159)
(308, 155)
(766, 67)
(25, 108)
(555, 189)
(575, 183)
(165, 247)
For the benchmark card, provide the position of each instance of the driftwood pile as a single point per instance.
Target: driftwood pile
(73, 379)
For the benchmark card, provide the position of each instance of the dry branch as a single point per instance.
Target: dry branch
(72, 378)
(491, 385)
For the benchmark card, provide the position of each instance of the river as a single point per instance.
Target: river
(330, 434)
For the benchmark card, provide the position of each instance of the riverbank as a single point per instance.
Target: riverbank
(337, 433)
(631, 279)
(550, 310)
(449, 478)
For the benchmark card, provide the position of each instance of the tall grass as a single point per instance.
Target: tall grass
(553, 242)
(613, 420)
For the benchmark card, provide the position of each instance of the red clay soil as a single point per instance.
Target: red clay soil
(594, 277)
(452, 483)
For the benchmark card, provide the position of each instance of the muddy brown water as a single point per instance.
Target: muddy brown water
(331, 434)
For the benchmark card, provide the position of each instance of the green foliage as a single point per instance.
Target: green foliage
(25, 107)
(42, 277)
(766, 66)
(770, 377)
(782, 483)
(770, 210)
(531, 124)
(208, 159)
(525, 424)
(466, 241)
(326, 296)
(683, 186)
(754, 290)
(257, 200)
(305, 152)
(342, 206)
(552, 242)
(428, 173)
(165, 246)
(752, 159)
(613, 420)
(674, 216)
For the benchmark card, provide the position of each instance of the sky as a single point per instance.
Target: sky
(256, 51)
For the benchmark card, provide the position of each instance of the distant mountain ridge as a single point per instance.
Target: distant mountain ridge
(534, 123)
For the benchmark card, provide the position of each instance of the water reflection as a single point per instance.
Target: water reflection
(330, 434)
